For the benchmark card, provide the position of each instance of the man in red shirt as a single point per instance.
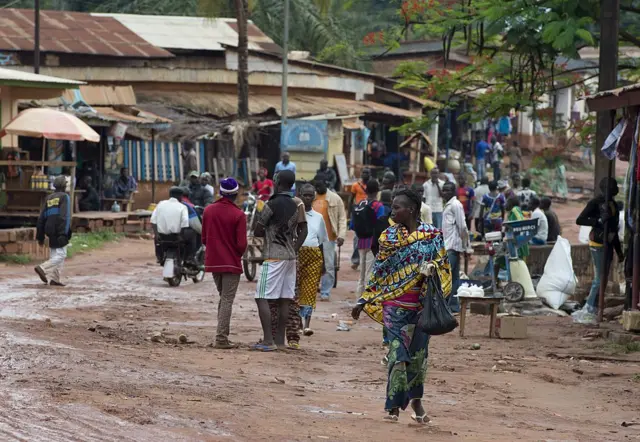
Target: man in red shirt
(224, 234)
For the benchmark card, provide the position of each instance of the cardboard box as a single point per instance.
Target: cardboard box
(631, 321)
(511, 327)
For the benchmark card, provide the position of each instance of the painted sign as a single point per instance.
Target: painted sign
(305, 136)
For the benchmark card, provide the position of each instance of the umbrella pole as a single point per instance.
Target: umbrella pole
(44, 152)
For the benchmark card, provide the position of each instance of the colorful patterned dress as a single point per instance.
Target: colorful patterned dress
(394, 298)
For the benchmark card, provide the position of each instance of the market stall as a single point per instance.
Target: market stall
(623, 104)
(28, 181)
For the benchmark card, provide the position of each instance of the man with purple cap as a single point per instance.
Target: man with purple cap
(224, 235)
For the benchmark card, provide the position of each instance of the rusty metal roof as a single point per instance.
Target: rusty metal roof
(73, 33)
(224, 105)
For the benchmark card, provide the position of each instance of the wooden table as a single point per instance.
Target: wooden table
(494, 302)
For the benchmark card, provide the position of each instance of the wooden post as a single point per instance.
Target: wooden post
(153, 165)
(215, 171)
(609, 27)
(73, 190)
(249, 178)
(608, 79)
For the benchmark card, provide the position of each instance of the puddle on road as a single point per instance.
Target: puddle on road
(27, 415)
(17, 339)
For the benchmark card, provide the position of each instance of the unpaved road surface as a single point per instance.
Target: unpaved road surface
(76, 364)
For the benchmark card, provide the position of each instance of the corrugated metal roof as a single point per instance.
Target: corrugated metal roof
(422, 101)
(73, 33)
(103, 95)
(191, 33)
(10, 75)
(224, 105)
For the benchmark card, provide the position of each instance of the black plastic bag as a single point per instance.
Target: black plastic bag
(436, 317)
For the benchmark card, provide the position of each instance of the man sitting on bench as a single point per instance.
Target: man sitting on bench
(125, 185)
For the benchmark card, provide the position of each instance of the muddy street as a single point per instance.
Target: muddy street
(80, 363)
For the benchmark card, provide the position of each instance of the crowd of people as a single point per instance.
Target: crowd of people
(398, 228)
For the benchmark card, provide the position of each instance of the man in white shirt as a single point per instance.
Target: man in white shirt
(480, 191)
(496, 154)
(456, 238)
(206, 179)
(540, 238)
(425, 211)
(433, 196)
(169, 220)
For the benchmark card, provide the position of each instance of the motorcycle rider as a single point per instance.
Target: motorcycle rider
(198, 194)
(170, 222)
(195, 218)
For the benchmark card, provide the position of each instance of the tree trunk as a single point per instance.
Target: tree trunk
(242, 13)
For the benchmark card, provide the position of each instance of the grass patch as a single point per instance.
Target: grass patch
(629, 347)
(15, 259)
(85, 242)
(636, 378)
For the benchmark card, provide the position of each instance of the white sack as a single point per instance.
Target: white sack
(559, 280)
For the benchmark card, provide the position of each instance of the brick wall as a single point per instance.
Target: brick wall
(21, 242)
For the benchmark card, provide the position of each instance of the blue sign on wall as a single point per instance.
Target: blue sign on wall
(305, 136)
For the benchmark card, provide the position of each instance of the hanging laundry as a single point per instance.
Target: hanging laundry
(610, 144)
(626, 139)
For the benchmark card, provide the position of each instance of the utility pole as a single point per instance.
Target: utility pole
(285, 64)
(36, 37)
(609, 27)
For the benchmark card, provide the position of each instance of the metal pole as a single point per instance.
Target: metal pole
(285, 63)
(36, 38)
(153, 165)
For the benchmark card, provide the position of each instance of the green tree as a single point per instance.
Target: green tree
(520, 49)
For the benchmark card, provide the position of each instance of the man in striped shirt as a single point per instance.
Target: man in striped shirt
(456, 237)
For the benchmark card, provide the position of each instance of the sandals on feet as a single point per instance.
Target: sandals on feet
(423, 419)
(262, 347)
(225, 345)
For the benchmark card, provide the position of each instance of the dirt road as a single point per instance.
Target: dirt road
(77, 365)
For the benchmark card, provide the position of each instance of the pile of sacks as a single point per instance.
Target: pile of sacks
(472, 290)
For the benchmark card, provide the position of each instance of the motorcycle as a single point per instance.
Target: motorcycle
(174, 267)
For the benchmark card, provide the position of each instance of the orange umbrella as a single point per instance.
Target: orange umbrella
(51, 124)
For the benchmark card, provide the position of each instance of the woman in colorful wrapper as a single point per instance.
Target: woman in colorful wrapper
(394, 298)
(310, 257)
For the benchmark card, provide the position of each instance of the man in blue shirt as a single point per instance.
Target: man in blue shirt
(125, 185)
(285, 164)
(481, 149)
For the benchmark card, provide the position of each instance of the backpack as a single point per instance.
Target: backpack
(364, 219)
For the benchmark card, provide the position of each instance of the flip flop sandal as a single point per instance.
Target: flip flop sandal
(263, 347)
(225, 345)
(391, 418)
(422, 420)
